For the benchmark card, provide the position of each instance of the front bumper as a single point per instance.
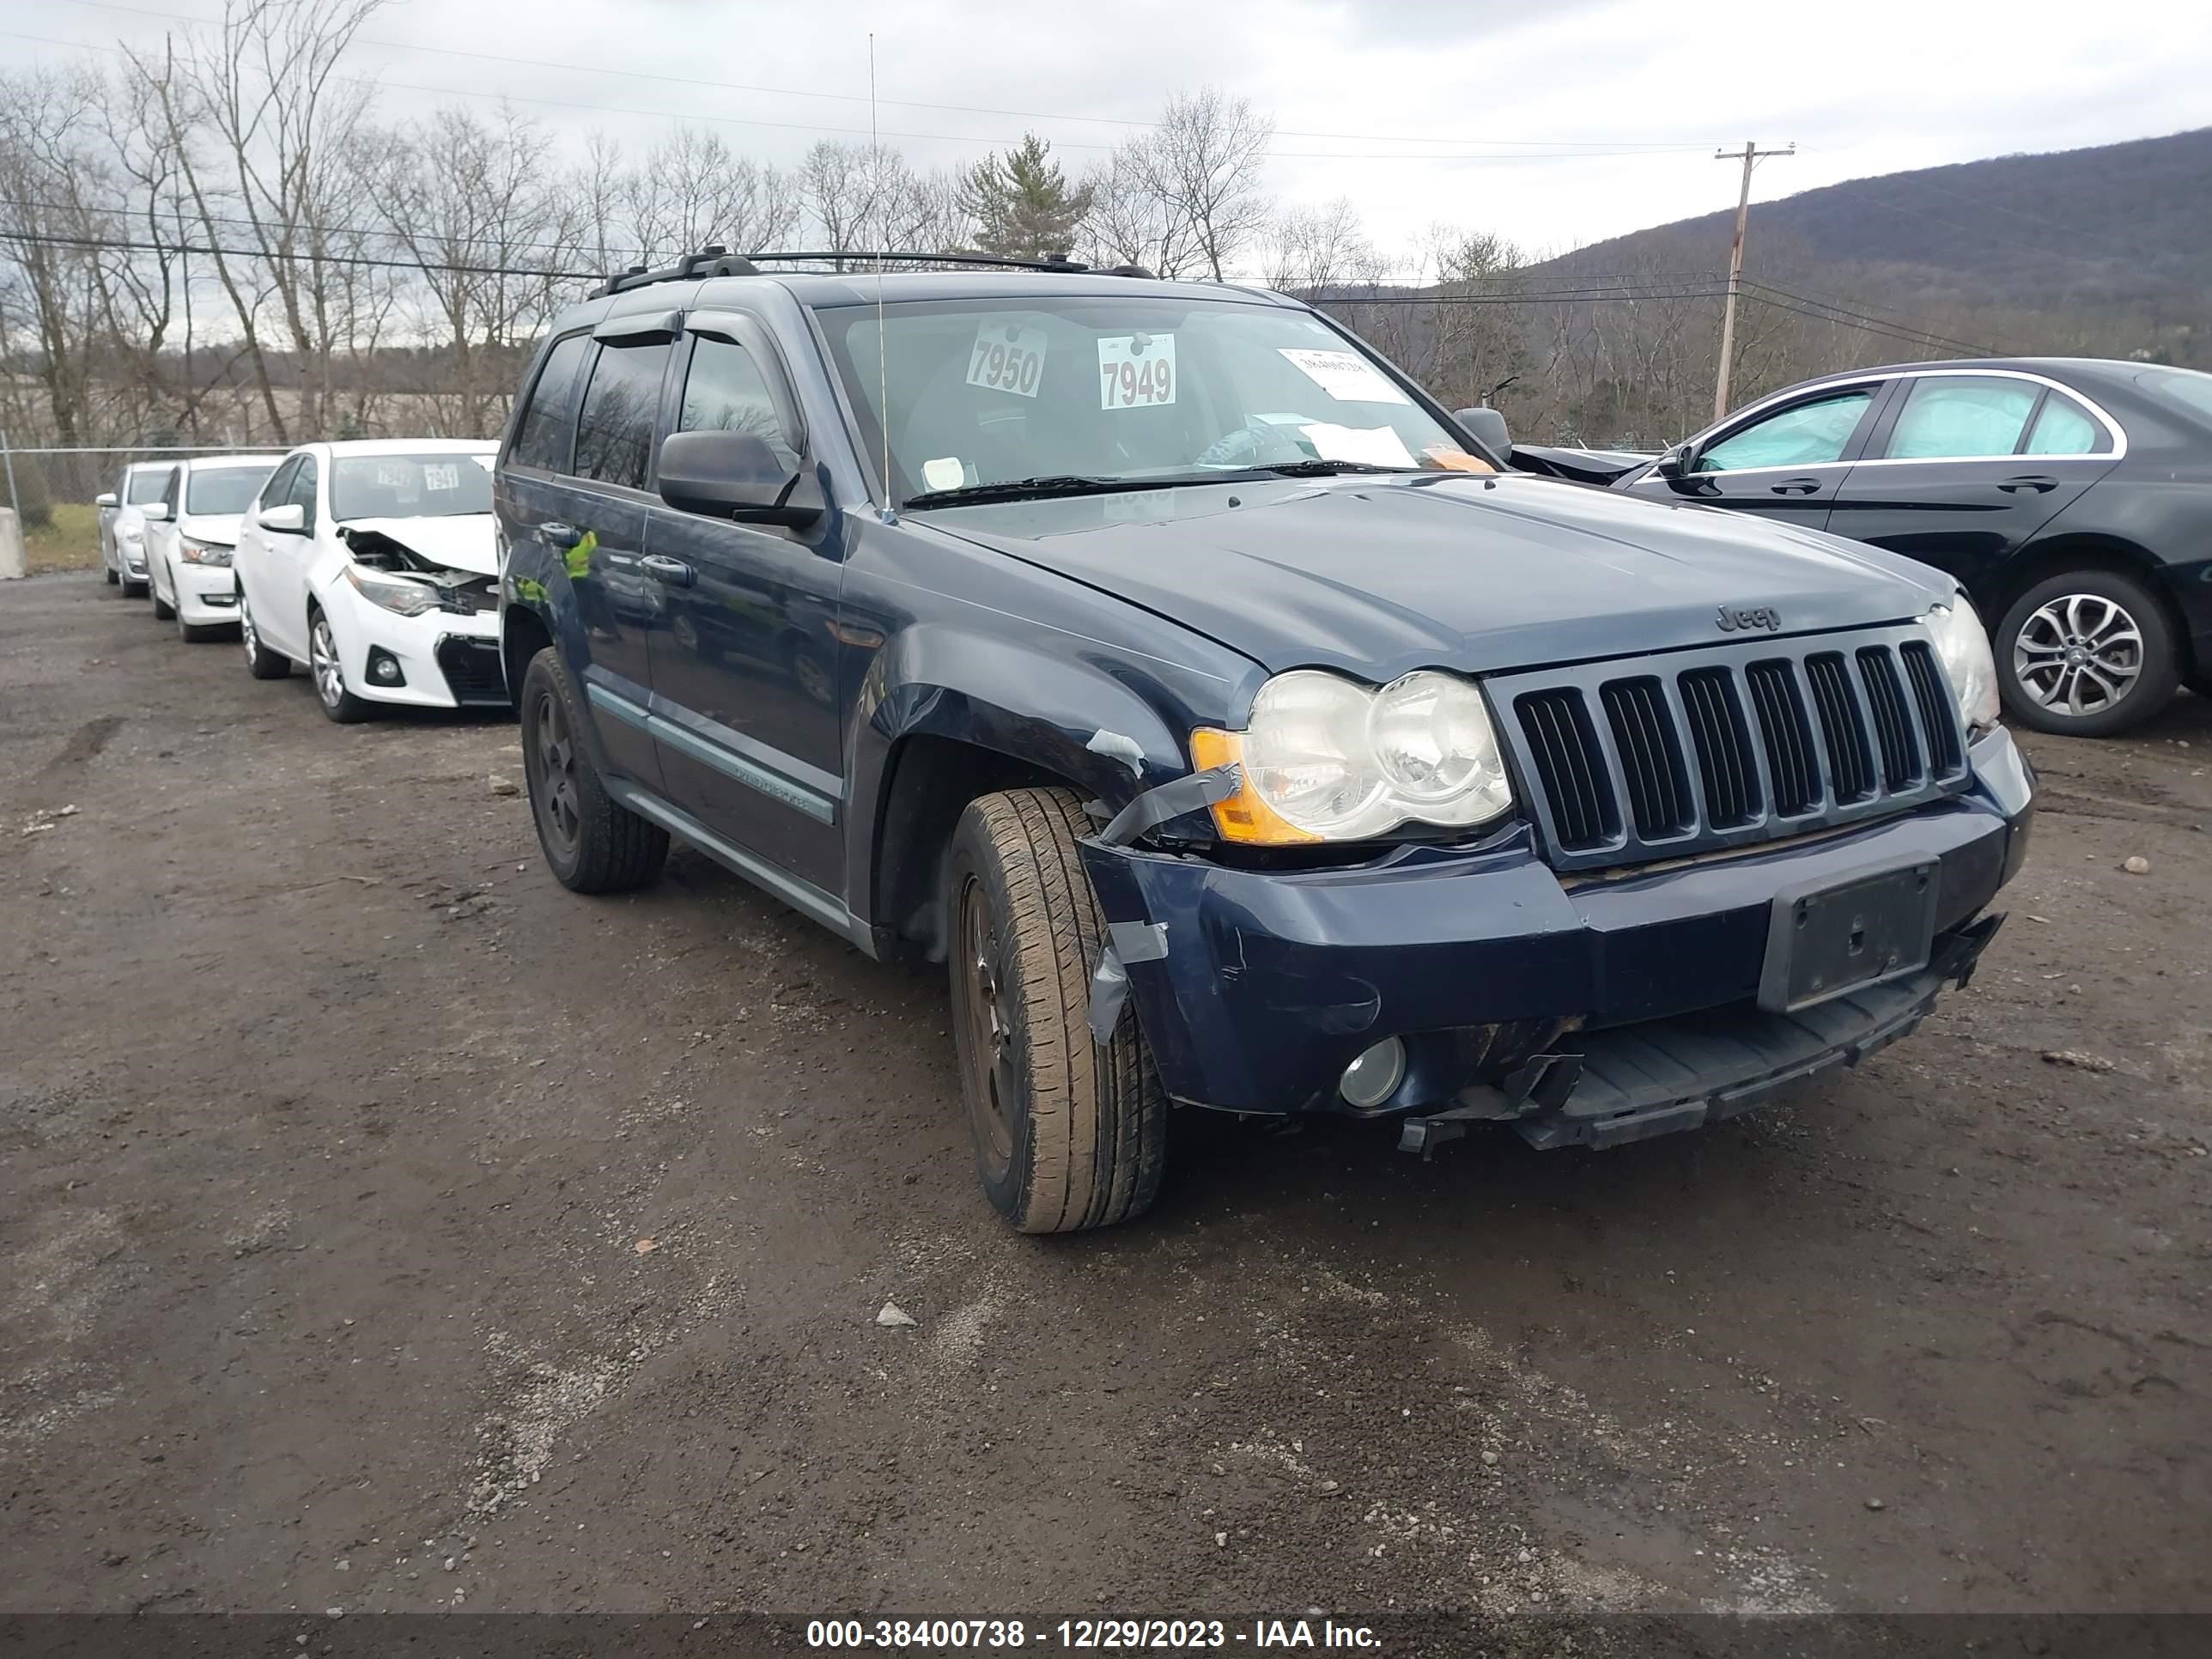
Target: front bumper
(1271, 982)
(444, 659)
(206, 593)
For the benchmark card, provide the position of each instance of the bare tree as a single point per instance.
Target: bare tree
(1206, 156)
(695, 192)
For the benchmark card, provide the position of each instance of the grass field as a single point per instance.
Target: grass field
(70, 542)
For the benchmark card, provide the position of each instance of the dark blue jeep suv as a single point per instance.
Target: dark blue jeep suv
(1176, 671)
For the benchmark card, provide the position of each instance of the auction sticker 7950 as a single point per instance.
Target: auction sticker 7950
(1007, 356)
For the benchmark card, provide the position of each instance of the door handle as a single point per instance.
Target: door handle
(2037, 483)
(560, 536)
(662, 567)
(1795, 487)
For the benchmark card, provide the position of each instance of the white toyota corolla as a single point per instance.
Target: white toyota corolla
(374, 563)
(188, 542)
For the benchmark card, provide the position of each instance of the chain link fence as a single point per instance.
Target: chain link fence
(54, 492)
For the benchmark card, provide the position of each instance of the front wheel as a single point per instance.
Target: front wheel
(163, 610)
(593, 844)
(1069, 1133)
(329, 672)
(113, 580)
(2088, 653)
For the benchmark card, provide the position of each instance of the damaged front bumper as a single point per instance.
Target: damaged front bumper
(1256, 988)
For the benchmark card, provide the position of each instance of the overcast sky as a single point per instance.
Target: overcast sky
(1554, 122)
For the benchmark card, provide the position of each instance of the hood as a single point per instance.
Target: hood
(220, 528)
(1379, 575)
(462, 541)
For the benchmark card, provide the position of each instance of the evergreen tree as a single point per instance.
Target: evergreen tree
(1022, 205)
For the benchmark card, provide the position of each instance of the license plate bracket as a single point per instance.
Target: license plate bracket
(1845, 933)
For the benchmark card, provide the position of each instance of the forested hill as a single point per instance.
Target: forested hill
(2128, 224)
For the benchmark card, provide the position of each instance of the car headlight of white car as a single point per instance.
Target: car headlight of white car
(211, 553)
(1325, 758)
(132, 533)
(1964, 650)
(401, 595)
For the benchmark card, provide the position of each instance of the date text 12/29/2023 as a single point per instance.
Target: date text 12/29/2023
(1117, 1635)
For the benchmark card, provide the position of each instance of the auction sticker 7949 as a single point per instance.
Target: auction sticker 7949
(1136, 369)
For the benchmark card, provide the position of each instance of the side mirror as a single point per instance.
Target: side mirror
(1674, 463)
(288, 518)
(106, 499)
(1487, 428)
(155, 512)
(734, 475)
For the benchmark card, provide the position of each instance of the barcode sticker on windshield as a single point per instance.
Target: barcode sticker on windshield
(1008, 357)
(1136, 370)
(441, 477)
(1345, 375)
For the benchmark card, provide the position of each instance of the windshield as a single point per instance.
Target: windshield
(2188, 389)
(434, 486)
(1142, 390)
(149, 485)
(224, 490)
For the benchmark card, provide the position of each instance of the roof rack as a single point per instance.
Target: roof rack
(720, 262)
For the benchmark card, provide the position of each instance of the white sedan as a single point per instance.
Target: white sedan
(375, 563)
(123, 524)
(189, 541)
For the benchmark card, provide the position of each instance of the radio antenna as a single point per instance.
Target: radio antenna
(883, 344)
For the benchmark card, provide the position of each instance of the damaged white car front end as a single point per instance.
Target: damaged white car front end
(413, 612)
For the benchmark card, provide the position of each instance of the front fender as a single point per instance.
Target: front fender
(1110, 725)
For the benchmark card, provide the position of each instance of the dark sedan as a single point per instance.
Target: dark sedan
(2073, 498)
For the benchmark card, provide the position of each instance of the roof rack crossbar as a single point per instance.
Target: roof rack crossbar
(720, 262)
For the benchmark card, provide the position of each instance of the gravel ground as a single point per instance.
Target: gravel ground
(385, 1228)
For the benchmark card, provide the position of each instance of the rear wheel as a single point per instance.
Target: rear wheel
(1069, 1133)
(260, 661)
(593, 844)
(329, 672)
(2086, 652)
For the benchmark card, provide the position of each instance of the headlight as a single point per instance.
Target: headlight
(1964, 650)
(132, 533)
(203, 552)
(1327, 759)
(394, 594)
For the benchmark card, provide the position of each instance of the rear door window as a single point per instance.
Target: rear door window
(547, 431)
(1961, 417)
(2064, 427)
(1806, 435)
(614, 429)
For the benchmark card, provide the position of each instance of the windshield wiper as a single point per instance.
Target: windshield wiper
(1328, 468)
(1016, 490)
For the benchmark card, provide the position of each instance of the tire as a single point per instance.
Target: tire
(593, 844)
(2086, 653)
(131, 589)
(163, 610)
(260, 661)
(326, 668)
(113, 580)
(1068, 1135)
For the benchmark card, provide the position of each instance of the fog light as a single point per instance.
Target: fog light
(384, 667)
(1375, 1076)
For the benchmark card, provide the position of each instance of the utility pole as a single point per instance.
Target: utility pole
(1750, 156)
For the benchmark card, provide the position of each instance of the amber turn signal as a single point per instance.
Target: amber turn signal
(1243, 817)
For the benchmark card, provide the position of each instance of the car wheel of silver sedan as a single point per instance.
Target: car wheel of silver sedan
(329, 673)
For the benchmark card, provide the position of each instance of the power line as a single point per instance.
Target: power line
(1606, 145)
(1876, 319)
(314, 256)
(1909, 338)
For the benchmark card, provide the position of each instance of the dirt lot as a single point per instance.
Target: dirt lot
(385, 1228)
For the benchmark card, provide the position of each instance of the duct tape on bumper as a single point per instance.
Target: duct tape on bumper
(1144, 941)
